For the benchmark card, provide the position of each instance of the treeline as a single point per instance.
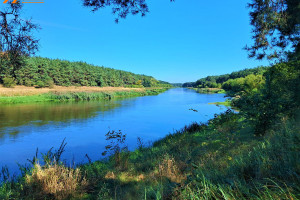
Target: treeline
(226, 81)
(176, 84)
(45, 72)
(263, 95)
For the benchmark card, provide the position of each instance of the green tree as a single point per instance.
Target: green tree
(16, 39)
(278, 98)
(276, 26)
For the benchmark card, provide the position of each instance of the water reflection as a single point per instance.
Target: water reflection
(25, 127)
(14, 116)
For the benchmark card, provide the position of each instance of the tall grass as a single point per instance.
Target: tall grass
(54, 181)
(79, 96)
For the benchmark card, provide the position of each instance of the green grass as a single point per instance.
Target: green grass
(25, 99)
(210, 90)
(78, 96)
(226, 103)
(218, 160)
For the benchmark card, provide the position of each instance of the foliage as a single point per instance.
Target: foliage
(16, 39)
(217, 81)
(120, 8)
(40, 84)
(247, 85)
(117, 149)
(9, 82)
(47, 72)
(278, 98)
(275, 27)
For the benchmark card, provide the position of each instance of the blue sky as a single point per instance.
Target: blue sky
(175, 42)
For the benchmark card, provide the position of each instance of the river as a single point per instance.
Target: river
(26, 127)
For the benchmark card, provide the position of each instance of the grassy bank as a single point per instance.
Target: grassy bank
(210, 90)
(226, 103)
(218, 160)
(78, 94)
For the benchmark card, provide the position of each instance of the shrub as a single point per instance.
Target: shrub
(279, 97)
(168, 168)
(55, 180)
(50, 83)
(28, 82)
(40, 84)
(9, 82)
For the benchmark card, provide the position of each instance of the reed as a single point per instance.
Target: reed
(79, 96)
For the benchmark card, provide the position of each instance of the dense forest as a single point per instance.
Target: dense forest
(45, 72)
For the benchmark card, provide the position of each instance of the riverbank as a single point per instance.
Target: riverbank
(218, 160)
(209, 90)
(22, 94)
(30, 91)
(227, 103)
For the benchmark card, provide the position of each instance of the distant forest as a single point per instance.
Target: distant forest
(45, 72)
(176, 84)
(235, 81)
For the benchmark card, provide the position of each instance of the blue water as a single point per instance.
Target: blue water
(25, 127)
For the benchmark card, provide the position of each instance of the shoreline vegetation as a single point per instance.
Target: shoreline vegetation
(22, 94)
(227, 103)
(209, 90)
(218, 160)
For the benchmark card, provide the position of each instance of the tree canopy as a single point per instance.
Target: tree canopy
(276, 23)
(121, 8)
(276, 28)
(16, 39)
(44, 72)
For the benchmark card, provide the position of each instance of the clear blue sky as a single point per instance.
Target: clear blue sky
(176, 42)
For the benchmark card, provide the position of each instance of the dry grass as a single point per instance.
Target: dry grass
(29, 91)
(56, 181)
(169, 168)
(212, 89)
(125, 177)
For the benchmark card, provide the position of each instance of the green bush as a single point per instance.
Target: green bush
(9, 82)
(278, 97)
(28, 82)
(40, 84)
(50, 83)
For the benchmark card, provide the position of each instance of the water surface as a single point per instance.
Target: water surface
(24, 127)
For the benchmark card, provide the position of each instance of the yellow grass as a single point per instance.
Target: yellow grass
(169, 168)
(55, 180)
(29, 91)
